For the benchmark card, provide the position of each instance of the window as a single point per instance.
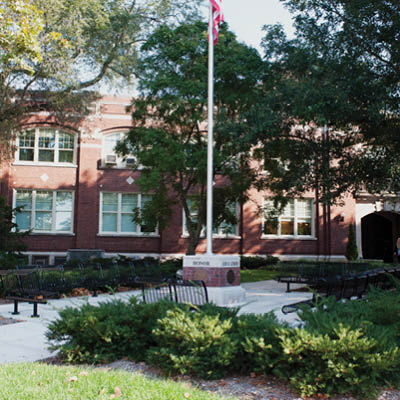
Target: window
(44, 211)
(40, 260)
(117, 212)
(296, 219)
(223, 230)
(46, 146)
(110, 158)
(58, 260)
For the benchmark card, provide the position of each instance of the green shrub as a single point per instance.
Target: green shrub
(223, 313)
(106, 332)
(170, 267)
(378, 315)
(351, 247)
(349, 347)
(259, 347)
(272, 260)
(193, 343)
(11, 239)
(74, 262)
(123, 260)
(344, 362)
(11, 260)
(252, 262)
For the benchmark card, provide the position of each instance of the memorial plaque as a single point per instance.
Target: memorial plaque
(201, 275)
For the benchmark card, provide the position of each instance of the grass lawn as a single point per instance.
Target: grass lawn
(255, 275)
(35, 381)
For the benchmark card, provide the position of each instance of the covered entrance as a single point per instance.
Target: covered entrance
(379, 232)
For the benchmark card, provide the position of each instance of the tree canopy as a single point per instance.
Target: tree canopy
(62, 48)
(21, 24)
(169, 137)
(328, 118)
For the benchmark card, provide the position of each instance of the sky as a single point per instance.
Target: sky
(246, 18)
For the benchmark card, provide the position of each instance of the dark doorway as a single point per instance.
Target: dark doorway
(377, 237)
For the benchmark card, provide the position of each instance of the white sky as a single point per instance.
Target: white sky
(246, 18)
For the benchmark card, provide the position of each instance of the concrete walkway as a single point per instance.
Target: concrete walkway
(26, 341)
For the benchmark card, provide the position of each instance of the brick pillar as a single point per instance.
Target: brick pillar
(221, 274)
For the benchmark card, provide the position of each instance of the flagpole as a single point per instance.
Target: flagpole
(210, 141)
(223, 288)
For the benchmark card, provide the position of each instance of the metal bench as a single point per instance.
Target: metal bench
(148, 271)
(35, 303)
(309, 274)
(190, 292)
(23, 285)
(300, 273)
(156, 291)
(345, 287)
(193, 293)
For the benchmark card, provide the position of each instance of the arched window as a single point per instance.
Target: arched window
(46, 145)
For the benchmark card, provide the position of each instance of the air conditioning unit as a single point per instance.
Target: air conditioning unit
(130, 161)
(111, 159)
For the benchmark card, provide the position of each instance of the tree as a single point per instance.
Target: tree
(21, 24)
(72, 47)
(366, 35)
(328, 118)
(11, 240)
(169, 137)
(351, 247)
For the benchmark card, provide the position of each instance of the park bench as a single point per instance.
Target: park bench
(92, 277)
(190, 292)
(345, 287)
(51, 280)
(73, 277)
(156, 291)
(36, 284)
(310, 273)
(23, 285)
(338, 287)
(3, 274)
(110, 277)
(299, 273)
(193, 293)
(127, 275)
(148, 271)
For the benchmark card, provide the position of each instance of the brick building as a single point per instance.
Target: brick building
(77, 194)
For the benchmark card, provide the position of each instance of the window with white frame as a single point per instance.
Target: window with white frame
(225, 229)
(47, 211)
(296, 219)
(46, 145)
(117, 213)
(110, 158)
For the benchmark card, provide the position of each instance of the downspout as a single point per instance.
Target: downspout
(160, 243)
(317, 233)
(329, 239)
(241, 227)
(77, 189)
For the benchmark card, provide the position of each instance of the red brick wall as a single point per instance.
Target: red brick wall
(212, 277)
(89, 178)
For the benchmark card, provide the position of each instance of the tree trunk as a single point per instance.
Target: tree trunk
(194, 238)
(191, 250)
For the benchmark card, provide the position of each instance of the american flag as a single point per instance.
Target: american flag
(218, 18)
